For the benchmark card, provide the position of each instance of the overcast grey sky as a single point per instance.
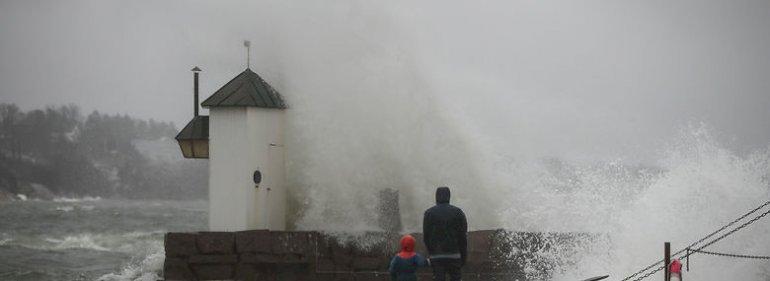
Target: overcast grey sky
(559, 75)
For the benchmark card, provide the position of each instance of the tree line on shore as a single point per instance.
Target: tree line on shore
(57, 151)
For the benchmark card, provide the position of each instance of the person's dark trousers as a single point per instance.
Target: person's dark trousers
(444, 267)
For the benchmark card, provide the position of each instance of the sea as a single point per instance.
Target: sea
(90, 238)
(698, 185)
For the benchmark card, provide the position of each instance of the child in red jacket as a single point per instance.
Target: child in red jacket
(403, 267)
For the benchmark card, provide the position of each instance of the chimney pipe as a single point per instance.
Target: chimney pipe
(195, 70)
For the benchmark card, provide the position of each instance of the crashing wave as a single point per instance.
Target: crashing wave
(146, 270)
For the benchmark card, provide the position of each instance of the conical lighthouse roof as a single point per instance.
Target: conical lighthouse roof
(246, 89)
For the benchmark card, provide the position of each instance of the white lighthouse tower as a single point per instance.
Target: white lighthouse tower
(246, 156)
(243, 139)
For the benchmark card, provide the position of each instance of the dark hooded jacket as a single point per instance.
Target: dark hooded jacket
(445, 229)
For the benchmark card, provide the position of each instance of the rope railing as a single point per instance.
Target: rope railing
(732, 255)
(689, 249)
(724, 235)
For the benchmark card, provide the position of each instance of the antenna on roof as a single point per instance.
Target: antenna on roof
(247, 44)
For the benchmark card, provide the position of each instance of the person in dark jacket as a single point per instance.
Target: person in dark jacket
(445, 230)
(403, 267)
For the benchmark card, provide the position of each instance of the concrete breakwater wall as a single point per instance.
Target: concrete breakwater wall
(309, 255)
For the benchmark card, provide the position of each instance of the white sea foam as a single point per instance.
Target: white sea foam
(75, 200)
(701, 186)
(131, 242)
(85, 241)
(70, 208)
(146, 270)
(65, 208)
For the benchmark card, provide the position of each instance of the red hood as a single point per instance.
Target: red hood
(676, 267)
(407, 247)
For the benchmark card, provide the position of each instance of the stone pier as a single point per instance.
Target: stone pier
(299, 255)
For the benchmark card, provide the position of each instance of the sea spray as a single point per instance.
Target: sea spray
(628, 210)
(382, 119)
(341, 156)
(699, 186)
(148, 269)
(370, 124)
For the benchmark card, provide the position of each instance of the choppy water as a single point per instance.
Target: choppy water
(91, 238)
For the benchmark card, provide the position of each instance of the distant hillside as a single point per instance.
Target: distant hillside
(59, 152)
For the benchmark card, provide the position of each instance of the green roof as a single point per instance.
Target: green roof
(197, 129)
(246, 89)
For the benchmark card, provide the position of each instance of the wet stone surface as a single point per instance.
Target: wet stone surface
(304, 255)
(216, 242)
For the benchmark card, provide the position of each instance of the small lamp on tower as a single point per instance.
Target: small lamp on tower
(194, 137)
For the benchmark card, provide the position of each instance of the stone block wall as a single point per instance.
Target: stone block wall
(309, 255)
